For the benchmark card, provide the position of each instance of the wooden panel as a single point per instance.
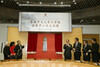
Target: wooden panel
(15, 35)
(76, 32)
(89, 37)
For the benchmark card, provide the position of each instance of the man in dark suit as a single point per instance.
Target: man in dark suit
(67, 53)
(18, 50)
(7, 51)
(86, 51)
(77, 49)
(95, 50)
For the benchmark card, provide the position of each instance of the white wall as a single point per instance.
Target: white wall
(87, 29)
(4, 30)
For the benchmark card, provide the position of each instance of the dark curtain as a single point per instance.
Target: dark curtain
(32, 41)
(58, 42)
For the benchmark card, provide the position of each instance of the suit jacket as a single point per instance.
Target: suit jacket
(6, 50)
(67, 49)
(86, 49)
(78, 47)
(95, 48)
(18, 49)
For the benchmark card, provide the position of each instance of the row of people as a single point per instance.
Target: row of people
(13, 51)
(87, 49)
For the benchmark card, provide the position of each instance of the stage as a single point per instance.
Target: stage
(46, 63)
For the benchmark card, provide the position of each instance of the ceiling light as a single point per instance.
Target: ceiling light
(17, 3)
(1, 1)
(62, 2)
(11, 21)
(28, 2)
(40, 2)
(55, 2)
(82, 20)
(73, 0)
(75, 3)
(93, 20)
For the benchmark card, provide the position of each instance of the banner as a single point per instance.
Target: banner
(45, 22)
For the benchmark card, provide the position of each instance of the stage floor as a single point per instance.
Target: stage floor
(45, 63)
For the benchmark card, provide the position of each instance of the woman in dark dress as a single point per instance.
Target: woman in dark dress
(7, 51)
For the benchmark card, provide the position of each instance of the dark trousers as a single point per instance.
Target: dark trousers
(19, 56)
(86, 58)
(77, 55)
(67, 57)
(12, 57)
(6, 57)
(95, 57)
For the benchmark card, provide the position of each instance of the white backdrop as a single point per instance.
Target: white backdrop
(45, 22)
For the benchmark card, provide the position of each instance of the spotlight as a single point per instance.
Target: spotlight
(40, 2)
(17, 3)
(82, 20)
(73, 0)
(12, 21)
(75, 3)
(93, 20)
(55, 2)
(1, 1)
(28, 2)
(62, 2)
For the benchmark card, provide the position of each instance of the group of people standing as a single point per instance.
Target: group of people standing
(12, 51)
(86, 50)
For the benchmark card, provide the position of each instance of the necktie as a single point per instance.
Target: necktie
(84, 46)
(76, 44)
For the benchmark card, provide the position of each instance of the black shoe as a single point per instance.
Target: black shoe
(98, 64)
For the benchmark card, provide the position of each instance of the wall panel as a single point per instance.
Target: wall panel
(14, 35)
